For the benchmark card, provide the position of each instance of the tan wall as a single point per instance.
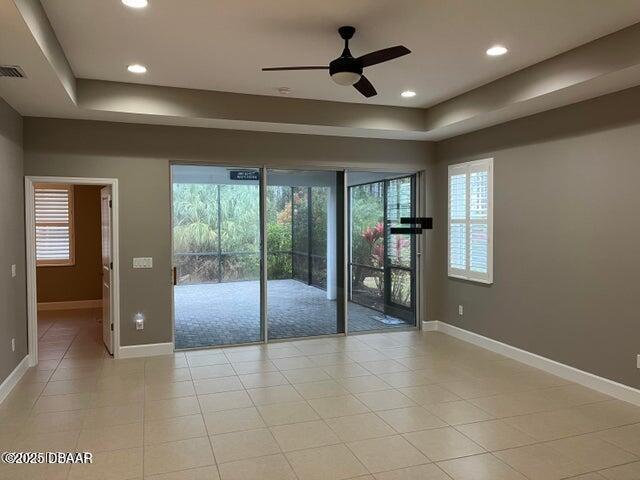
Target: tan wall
(566, 236)
(83, 280)
(13, 310)
(139, 156)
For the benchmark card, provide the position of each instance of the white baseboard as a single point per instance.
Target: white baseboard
(148, 350)
(430, 326)
(71, 305)
(13, 378)
(601, 384)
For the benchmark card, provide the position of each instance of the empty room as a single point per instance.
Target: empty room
(289, 240)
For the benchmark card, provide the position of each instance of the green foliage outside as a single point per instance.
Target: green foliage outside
(208, 252)
(224, 245)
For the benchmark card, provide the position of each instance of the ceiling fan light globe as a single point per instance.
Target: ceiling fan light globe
(345, 78)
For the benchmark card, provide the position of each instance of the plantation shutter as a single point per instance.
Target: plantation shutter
(470, 224)
(54, 224)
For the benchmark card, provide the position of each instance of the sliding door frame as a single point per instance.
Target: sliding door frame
(416, 251)
(340, 232)
(343, 249)
(264, 315)
(262, 210)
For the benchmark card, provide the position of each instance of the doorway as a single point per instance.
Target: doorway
(304, 288)
(72, 271)
(224, 293)
(382, 265)
(267, 254)
(216, 230)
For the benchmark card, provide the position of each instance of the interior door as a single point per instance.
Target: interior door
(107, 320)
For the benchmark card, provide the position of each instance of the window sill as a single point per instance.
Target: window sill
(469, 279)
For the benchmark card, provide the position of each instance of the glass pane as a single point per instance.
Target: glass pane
(240, 267)
(381, 297)
(300, 233)
(279, 215)
(301, 296)
(319, 271)
(319, 199)
(458, 197)
(367, 287)
(300, 266)
(401, 287)
(399, 204)
(193, 268)
(367, 229)
(478, 195)
(478, 247)
(216, 247)
(458, 246)
(239, 208)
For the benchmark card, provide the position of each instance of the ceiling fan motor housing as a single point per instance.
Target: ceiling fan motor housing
(345, 70)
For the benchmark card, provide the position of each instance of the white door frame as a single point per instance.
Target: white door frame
(30, 222)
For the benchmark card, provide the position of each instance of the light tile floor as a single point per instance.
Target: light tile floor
(310, 410)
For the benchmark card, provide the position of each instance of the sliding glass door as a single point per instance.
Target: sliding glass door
(303, 287)
(382, 265)
(216, 256)
(260, 254)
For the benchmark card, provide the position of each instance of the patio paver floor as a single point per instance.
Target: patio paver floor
(229, 313)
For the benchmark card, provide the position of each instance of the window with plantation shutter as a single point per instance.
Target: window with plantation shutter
(54, 225)
(470, 222)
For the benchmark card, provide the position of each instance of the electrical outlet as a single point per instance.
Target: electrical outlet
(13, 270)
(13, 344)
(138, 320)
(460, 310)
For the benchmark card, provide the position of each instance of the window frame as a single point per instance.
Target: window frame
(71, 261)
(485, 164)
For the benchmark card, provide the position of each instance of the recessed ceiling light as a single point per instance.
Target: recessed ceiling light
(496, 51)
(135, 3)
(136, 68)
(408, 94)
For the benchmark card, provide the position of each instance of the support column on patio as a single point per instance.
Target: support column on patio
(332, 278)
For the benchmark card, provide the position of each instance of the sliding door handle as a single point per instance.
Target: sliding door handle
(174, 275)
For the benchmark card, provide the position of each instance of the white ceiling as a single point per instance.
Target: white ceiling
(222, 44)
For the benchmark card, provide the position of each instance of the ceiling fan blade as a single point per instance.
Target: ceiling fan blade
(383, 55)
(277, 69)
(364, 87)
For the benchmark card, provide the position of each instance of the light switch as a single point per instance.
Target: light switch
(13, 270)
(143, 262)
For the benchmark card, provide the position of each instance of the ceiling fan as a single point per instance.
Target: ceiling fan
(347, 70)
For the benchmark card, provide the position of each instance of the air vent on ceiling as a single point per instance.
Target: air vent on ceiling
(11, 71)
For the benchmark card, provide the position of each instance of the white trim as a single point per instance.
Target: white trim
(430, 325)
(601, 384)
(148, 350)
(70, 305)
(32, 302)
(13, 378)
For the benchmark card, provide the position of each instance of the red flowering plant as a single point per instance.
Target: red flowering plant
(372, 236)
(374, 239)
